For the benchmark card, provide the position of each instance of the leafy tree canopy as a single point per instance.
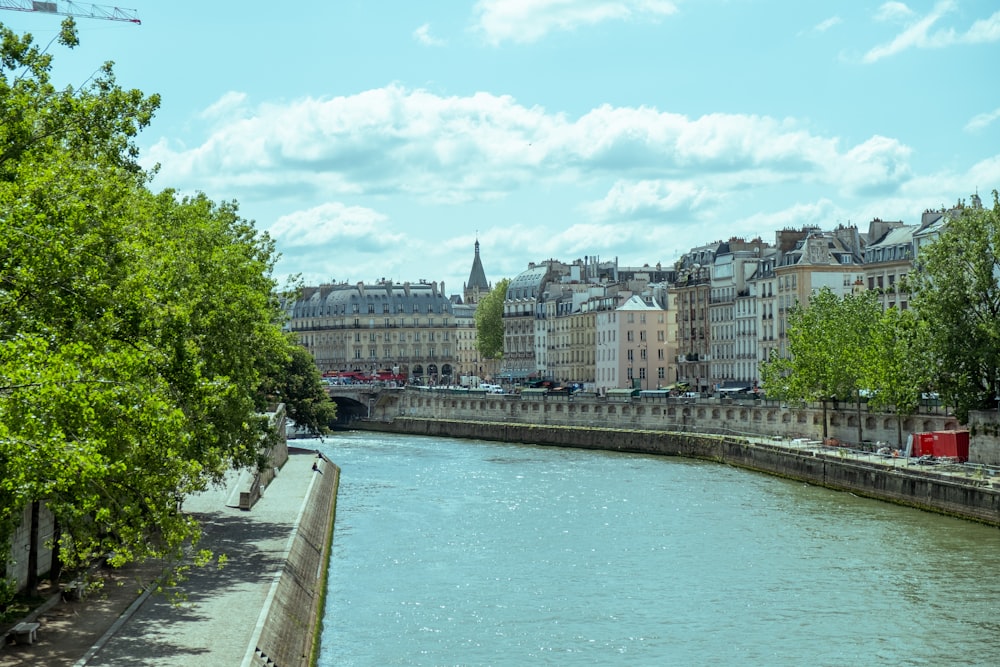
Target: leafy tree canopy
(296, 382)
(489, 321)
(136, 329)
(827, 340)
(956, 291)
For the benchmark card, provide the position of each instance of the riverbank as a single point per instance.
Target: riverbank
(956, 492)
(264, 607)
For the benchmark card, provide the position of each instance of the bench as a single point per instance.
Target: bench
(75, 590)
(25, 633)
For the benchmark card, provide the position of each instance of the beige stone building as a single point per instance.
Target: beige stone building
(405, 329)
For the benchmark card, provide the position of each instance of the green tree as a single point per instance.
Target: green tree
(489, 321)
(297, 383)
(136, 328)
(826, 344)
(896, 365)
(956, 290)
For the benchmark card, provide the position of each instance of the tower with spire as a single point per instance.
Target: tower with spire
(477, 287)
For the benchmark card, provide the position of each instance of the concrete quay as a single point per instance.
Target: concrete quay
(262, 608)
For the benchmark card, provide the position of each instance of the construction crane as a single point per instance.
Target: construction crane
(67, 8)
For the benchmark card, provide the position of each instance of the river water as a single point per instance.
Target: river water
(464, 552)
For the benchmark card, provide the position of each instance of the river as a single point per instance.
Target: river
(463, 552)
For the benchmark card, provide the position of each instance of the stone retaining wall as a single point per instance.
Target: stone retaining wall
(954, 495)
(291, 632)
(727, 416)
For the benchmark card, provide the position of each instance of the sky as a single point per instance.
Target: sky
(380, 139)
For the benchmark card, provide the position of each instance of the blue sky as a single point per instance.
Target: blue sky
(379, 139)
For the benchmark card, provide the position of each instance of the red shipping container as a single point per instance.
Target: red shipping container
(923, 444)
(953, 444)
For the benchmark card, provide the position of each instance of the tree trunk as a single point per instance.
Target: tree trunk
(825, 420)
(56, 571)
(861, 432)
(32, 587)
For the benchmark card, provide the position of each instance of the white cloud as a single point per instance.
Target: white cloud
(483, 147)
(982, 120)
(531, 20)
(648, 199)
(876, 167)
(918, 34)
(825, 25)
(332, 222)
(984, 30)
(423, 36)
(893, 11)
(226, 107)
(822, 213)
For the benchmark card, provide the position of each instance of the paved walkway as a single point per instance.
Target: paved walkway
(215, 625)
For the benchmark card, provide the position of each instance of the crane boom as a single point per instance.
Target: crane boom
(68, 8)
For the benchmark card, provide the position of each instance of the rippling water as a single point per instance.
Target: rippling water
(460, 552)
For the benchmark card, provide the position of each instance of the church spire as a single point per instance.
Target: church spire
(477, 285)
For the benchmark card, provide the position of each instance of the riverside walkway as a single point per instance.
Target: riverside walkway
(220, 620)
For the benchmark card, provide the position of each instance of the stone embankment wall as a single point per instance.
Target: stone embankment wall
(718, 416)
(290, 635)
(20, 543)
(975, 499)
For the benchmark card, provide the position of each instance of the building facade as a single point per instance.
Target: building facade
(401, 329)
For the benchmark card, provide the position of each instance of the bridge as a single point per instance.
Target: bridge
(357, 401)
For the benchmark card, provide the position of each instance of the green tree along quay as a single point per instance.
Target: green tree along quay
(956, 290)
(296, 382)
(489, 321)
(896, 365)
(140, 333)
(827, 340)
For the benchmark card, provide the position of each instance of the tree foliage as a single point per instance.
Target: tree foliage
(296, 382)
(896, 365)
(136, 328)
(956, 291)
(827, 340)
(489, 321)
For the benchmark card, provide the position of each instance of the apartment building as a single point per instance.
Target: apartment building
(406, 329)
